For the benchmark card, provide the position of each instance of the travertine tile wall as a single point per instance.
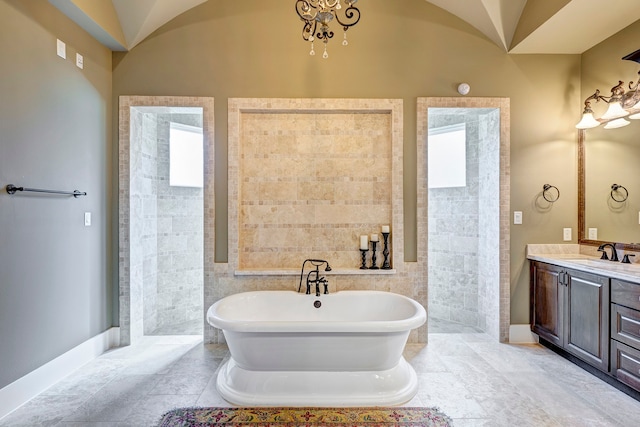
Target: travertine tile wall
(179, 218)
(464, 227)
(496, 301)
(407, 278)
(454, 233)
(489, 222)
(166, 228)
(130, 298)
(310, 184)
(144, 186)
(143, 165)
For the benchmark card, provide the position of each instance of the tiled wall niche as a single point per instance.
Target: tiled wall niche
(311, 183)
(307, 177)
(354, 148)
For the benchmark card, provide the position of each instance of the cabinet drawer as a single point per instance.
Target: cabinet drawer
(625, 293)
(625, 325)
(625, 364)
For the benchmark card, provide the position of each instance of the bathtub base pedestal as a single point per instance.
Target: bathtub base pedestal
(390, 387)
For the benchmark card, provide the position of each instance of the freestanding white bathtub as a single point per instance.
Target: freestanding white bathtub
(285, 351)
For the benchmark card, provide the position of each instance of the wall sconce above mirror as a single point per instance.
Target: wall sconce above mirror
(622, 103)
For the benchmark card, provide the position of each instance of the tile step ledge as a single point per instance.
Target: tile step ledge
(296, 272)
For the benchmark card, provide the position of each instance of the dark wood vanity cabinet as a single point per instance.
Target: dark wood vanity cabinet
(547, 302)
(570, 309)
(625, 332)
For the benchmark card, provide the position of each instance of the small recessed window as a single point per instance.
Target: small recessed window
(185, 156)
(447, 157)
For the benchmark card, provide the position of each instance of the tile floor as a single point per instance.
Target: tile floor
(475, 380)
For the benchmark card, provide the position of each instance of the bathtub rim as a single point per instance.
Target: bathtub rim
(415, 320)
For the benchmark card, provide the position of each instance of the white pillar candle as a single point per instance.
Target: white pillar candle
(385, 228)
(364, 242)
(375, 238)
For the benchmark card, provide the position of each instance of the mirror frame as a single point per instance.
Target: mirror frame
(582, 188)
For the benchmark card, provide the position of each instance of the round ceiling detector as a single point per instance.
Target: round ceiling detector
(463, 88)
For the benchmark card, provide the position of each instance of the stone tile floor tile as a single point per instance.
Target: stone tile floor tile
(472, 378)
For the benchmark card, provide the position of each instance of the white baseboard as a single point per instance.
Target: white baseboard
(521, 334)
(35, 382)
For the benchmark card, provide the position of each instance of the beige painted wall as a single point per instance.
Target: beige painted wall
(399, 50)
(612, 156)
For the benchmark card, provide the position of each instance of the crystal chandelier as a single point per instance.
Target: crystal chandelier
(317, 14)
(622, 103)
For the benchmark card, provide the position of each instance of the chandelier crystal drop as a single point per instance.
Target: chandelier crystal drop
(621, 103)
(318, 14)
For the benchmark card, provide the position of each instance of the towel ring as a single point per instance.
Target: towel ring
(546, 188)
(615, 189)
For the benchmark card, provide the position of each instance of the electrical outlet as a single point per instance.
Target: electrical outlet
(593, 234)
(79, 61)
(61, 49)
(566, 233)
(87, 219)
(517, 217)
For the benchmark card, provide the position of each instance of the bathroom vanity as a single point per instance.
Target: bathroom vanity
(588, 309)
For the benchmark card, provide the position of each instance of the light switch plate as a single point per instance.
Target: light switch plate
(517, 217)
(61, 49)
(79, 61)
(87, 219)
(593, 234)
(566, 234)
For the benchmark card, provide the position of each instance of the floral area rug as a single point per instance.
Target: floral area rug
(305, 417)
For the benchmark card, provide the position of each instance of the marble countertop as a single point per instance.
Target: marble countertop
(587, 263)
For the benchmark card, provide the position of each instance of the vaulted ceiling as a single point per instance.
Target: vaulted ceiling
(517, 26)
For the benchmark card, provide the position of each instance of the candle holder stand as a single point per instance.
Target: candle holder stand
(373, 257)
(385, 264)
(364, 259)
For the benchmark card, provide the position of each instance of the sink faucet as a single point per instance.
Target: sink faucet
(614, 253)
(313, 277)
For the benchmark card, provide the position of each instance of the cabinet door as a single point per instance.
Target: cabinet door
(587, 318)
(547, 300)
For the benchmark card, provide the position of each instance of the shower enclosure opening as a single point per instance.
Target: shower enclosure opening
(463, 150)
(166, 220)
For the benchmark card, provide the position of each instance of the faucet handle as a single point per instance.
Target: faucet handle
(325, 283)
(625, 258)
